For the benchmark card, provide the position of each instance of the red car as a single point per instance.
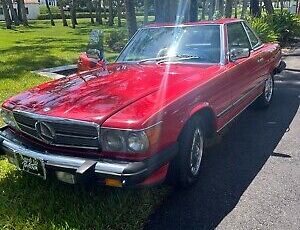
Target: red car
(147, 116)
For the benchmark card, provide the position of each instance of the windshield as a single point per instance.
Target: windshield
(201, 42)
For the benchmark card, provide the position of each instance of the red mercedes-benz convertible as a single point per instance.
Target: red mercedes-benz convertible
(147, 116)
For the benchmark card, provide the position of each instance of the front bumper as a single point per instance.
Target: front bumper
(129, 173)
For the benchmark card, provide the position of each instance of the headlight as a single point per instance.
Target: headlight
(8, 117)
(124, 141)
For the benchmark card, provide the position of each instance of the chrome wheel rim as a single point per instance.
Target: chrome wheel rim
(268, 89)
(196, 152)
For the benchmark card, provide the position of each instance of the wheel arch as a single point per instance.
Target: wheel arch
(205, 111)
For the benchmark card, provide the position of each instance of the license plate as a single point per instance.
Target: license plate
(31, 165)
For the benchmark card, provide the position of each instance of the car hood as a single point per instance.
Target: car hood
(96, 95)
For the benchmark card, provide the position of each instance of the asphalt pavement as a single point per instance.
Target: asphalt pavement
(251, 179)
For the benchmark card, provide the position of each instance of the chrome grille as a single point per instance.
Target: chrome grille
(66, 133)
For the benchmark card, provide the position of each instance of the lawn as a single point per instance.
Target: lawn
(30, 203)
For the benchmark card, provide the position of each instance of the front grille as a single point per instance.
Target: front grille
(59, 131)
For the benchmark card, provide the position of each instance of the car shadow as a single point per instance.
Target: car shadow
(230, 166)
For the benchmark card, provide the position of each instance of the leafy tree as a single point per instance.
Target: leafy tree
(62, 12)
(13, 12)
(50, 13)
(6, 14)
(23, 12)
(131, 17)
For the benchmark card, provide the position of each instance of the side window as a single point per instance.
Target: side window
(255, 42)
(237, 37)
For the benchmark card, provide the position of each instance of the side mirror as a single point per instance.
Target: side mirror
(239, 53)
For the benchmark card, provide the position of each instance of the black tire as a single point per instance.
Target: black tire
(264, 100)
(182, 172)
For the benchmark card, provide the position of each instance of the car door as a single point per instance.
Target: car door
(243, 73)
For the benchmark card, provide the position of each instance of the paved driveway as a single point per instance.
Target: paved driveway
(252, 179)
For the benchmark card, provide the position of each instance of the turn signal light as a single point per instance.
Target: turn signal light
(113, 182)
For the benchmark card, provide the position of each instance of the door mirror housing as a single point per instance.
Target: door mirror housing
(239, 53)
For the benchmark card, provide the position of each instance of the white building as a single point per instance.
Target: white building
(32, 9)
(51, 2)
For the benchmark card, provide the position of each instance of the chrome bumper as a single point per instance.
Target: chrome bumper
(129, 173)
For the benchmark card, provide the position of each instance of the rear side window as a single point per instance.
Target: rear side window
(237, 37)
(255, 42)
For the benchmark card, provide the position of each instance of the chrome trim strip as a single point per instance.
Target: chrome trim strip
(68, 162)
(238, 113)
(238, 100)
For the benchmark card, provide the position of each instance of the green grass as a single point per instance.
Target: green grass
(27, 202)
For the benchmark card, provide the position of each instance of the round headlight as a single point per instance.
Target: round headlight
(113, 141)
(137, 142)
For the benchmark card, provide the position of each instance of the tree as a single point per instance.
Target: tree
(50, 13)
(99, 12)
(73, 14)
(165, 11)
(204, 8)
(146, 11)
(13, 12)
(131, 17)
(228, 8)
(90, 7)
(23, 12)
(254, 8)
(119, 12)
(194, 11)
(235, 8)
(6, 14)
(111, 13)
(212, 6)
(244, 8)
(269, 6)
(62, 12)
(221, 7)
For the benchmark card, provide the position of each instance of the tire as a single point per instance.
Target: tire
(185, 168)
(264, 100)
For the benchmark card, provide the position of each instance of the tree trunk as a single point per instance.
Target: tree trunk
(119, 11)
(254, 8)
(104, 8)
(23, 13)
(99, 12)
(244, 8)
(73, 14)
(146, 11)
(221, 7)
(50, 13)
(62, 13)
(212, 6)
(6, 14)
(194, 11)
(90, 6)
(235, 8)
(281, 5)
(204, 3)
(13, 12)
(131, 17)
(228, 8)
(269, 6)
(111, 13)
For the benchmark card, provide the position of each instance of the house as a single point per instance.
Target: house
(32, 9)
(51, 2)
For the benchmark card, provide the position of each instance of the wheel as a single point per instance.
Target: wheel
(265, 99)
(187, 164)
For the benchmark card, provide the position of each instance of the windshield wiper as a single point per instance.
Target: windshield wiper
(168, 58)
(153, 59)
(180, 57)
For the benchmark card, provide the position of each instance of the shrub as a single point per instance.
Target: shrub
(117, 39)
(44, 10)
(285, 24)
(263, 29)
